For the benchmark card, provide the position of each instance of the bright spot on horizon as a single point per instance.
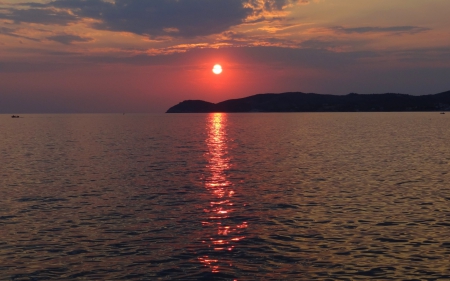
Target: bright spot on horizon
(217, 69)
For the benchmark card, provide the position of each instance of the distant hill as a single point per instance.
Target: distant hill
(303, 102)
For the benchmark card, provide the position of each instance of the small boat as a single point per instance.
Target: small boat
(442, 112)
(15, 116)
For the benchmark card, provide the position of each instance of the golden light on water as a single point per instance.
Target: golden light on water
(218, 160)
(221, 189)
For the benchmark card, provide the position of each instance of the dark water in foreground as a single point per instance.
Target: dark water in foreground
(332, 196)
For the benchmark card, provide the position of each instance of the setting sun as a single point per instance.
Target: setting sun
(217, 69)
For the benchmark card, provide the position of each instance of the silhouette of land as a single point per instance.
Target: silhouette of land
(310, 102)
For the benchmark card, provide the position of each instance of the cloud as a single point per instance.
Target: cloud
(270, 5)
(12, 32)
(263, 10)
(268, 55)
(377, 29)
(38, 15)
(68, 39)
(319, 44)
(180, 18)
(155, 18)
(27, 67)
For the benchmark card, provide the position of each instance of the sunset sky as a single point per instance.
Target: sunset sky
(147, 55)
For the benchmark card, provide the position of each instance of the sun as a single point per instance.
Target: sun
(217, 69)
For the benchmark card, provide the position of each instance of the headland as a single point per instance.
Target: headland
(311, 102)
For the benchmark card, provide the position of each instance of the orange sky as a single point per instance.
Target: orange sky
(145, 56)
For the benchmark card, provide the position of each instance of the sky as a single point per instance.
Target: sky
(144, 56)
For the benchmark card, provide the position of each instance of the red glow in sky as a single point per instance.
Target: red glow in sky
(70, 56)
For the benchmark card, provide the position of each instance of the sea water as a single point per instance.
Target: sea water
(290, 196)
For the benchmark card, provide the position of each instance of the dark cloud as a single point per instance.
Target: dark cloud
(40, 16)
(183, 18)
(27, 67)
(308, 57)
(155, 18)
(334, 44)
(313, 58)
(377, 29)
(271, 5)
(12, 32)
(439, 55)
(68, 39)
(319, 44)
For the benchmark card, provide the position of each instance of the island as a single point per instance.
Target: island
(311, 102)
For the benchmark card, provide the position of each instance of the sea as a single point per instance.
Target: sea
(244, 196)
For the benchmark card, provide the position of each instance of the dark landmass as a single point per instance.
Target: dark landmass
(303, 102)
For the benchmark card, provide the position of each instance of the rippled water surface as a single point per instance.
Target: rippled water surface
(301, 196)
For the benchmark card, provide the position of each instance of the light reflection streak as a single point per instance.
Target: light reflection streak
(221, 207)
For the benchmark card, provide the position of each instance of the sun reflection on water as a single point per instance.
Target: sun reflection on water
(221, 207)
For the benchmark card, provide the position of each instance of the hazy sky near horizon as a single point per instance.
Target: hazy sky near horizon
(145, 56)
